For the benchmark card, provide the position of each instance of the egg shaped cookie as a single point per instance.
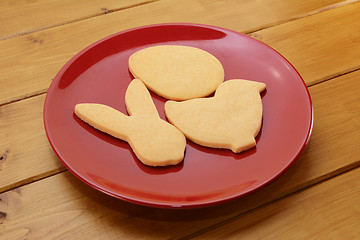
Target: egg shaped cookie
(177, 72)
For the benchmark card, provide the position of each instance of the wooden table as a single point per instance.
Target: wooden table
(317, 198)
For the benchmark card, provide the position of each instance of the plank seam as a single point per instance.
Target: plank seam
(315, 182)
(31, 180)
(105, 11)
(324, 79)
(334, 76)
(313, 12)
(24, 97)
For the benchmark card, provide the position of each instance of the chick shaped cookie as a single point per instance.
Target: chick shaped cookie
(177, 72)
(231, 119)
(154, 141)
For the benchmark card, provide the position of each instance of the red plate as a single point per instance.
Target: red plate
(100, 74)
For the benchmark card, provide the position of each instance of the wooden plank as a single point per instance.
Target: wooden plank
(25, 152)
(327, 211)
(30, 62)
(320, 46)
(71, 208)
(17, 17)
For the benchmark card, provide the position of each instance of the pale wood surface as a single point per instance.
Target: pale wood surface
(317, 198)
(320, 46)
(30, 62)
(51, 13)
(27, 154)
(327, 211)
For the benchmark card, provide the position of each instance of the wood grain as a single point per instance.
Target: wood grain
(327, 211)
(320, 46)
(30, 62)
(25, 152)
(63, 207)
(17, 17)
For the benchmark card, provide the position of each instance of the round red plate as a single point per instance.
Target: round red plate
(99, 74)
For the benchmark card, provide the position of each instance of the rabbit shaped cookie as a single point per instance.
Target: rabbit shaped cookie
(231, 119)
(154, 141)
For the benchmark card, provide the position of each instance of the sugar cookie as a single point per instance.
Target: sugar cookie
(177, 72)
(154, 141)
(231, 119)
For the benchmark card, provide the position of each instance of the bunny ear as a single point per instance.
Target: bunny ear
(138, 100)
(103, 118)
